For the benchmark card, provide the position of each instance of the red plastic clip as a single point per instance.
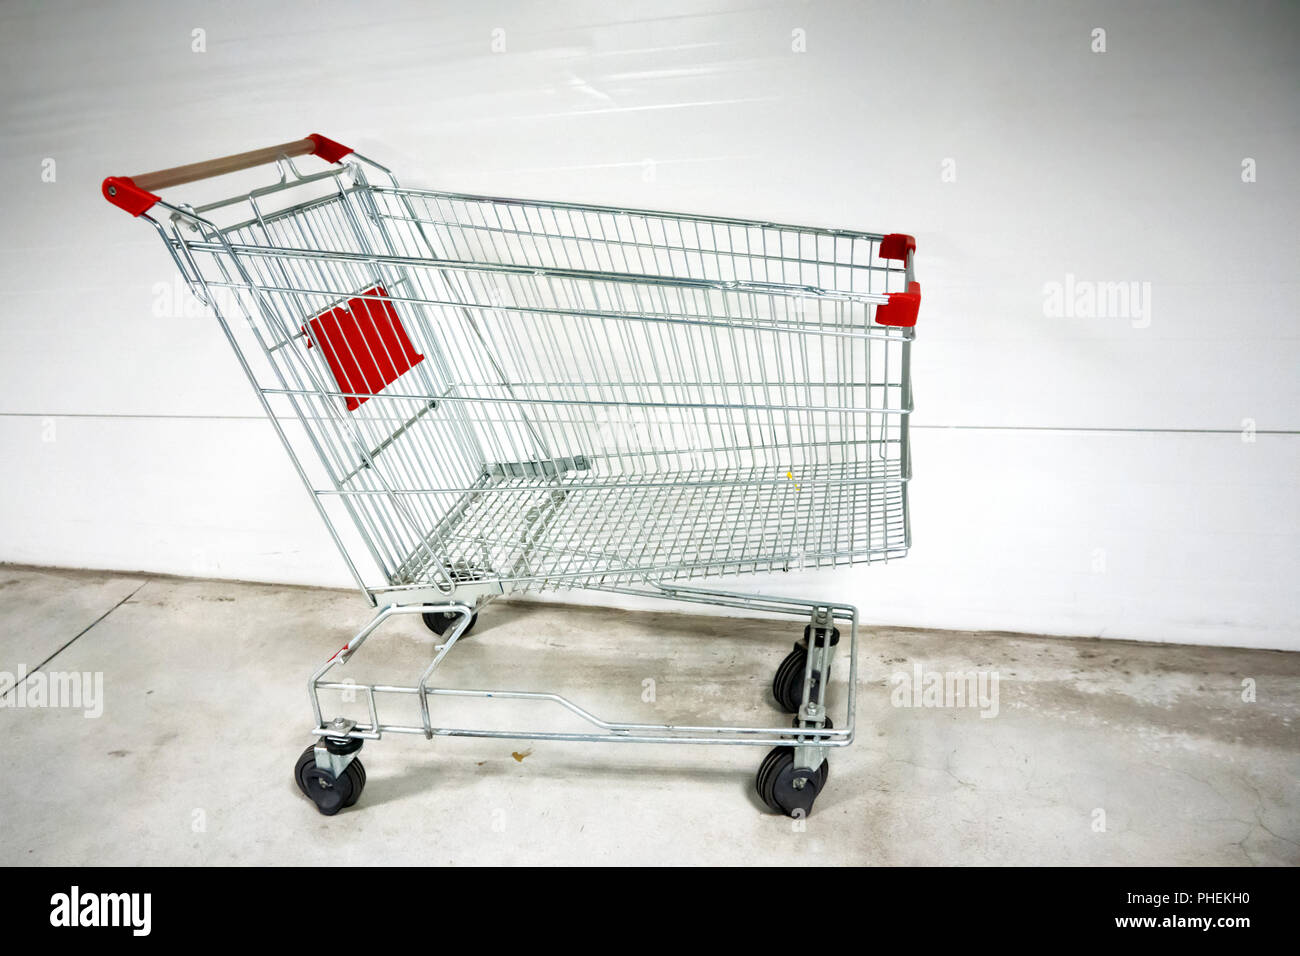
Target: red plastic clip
(902, 307)
(122, 192)
(897, 245)
(327, 149)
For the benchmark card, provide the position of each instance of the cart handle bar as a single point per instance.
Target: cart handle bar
(135, 193)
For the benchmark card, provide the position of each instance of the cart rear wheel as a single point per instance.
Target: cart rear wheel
(785, 789)
(305, 760)
(358, 773)
(440, 622)
(330, 794)
(787, 685)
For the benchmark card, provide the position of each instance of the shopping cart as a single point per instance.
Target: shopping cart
(485, 396)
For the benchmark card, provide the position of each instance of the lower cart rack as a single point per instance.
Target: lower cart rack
(791, 776)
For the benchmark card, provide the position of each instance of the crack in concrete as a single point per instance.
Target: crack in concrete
(76, 637)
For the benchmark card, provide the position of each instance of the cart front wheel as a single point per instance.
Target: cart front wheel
(358, 773)
(440, 622)
(786, 789)
(330, 794)
(787, 685)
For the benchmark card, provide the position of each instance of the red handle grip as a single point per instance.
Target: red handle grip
(902, 307)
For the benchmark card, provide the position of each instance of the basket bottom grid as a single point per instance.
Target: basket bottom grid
(575, 531)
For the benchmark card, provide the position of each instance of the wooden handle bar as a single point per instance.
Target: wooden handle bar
(135, 194)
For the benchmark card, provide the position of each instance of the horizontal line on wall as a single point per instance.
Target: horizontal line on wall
(151, 415)
(977, 428)
(1106, 428)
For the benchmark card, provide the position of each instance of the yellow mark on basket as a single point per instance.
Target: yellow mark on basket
(520, 756)
(790, 475)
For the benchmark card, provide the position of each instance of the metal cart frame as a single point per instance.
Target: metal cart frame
(485, 396)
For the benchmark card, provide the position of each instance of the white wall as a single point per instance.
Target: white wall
(1073, 475)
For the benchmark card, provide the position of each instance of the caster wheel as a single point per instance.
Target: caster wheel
(330, 794)
(358, 773)
(785, 789)
(440, 622)
(787, 685)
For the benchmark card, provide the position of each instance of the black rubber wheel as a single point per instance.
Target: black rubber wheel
(440, 622)
(776, 783)
(358, 773)
(330, 794)
(787, 685)
(307, 758)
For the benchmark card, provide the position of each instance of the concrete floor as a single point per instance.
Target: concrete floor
(205, 710)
